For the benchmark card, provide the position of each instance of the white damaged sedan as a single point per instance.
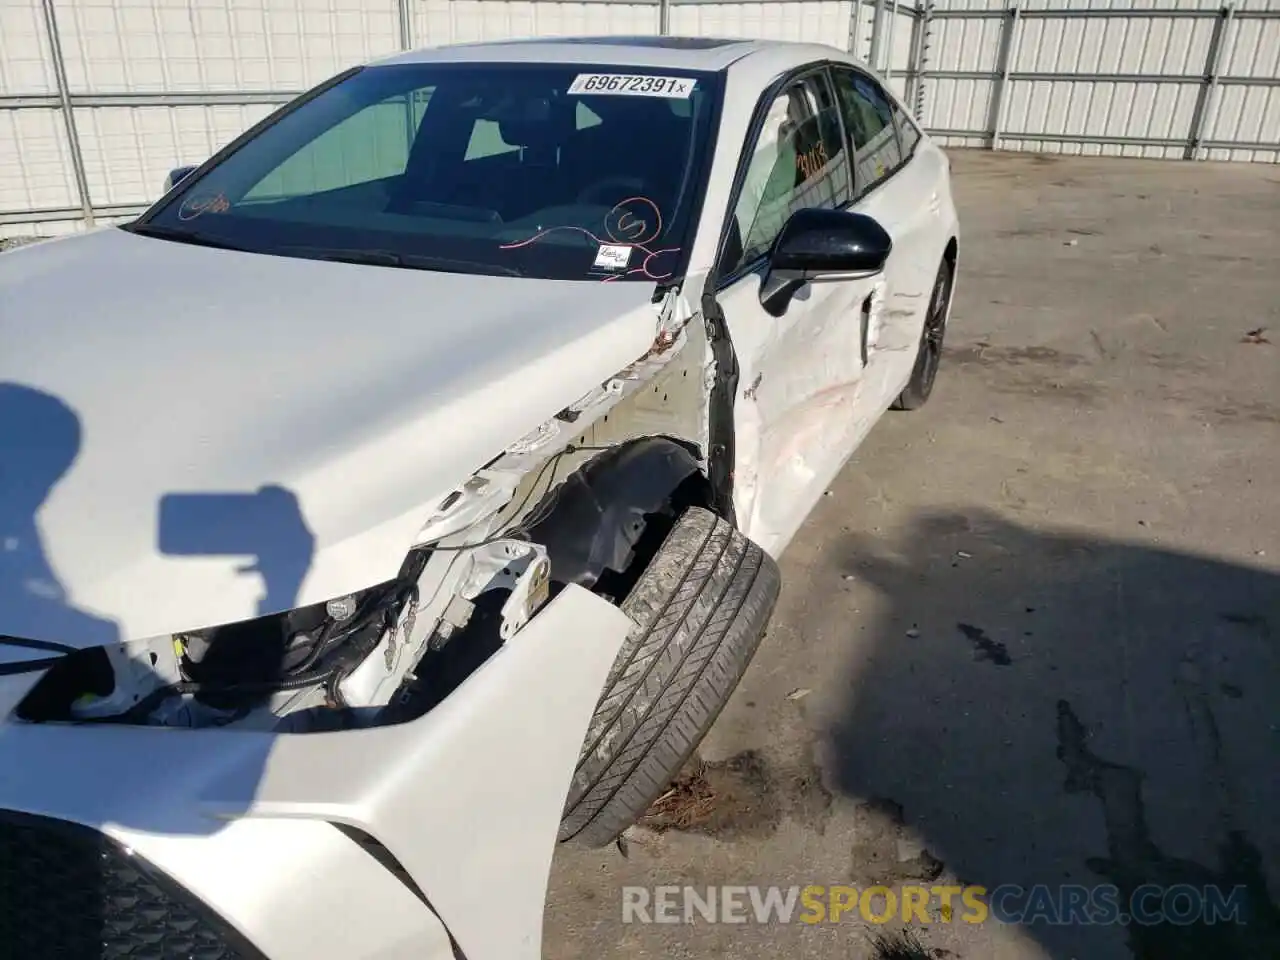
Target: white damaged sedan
(403, 490)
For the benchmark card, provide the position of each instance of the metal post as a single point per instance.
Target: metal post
(877, 35)
(855, 27)
(913, 61)
(888, 44)
(919, 59)
(68, 115)
(406, 23)
(664, 17)
(1207, 101)
(1008, 38)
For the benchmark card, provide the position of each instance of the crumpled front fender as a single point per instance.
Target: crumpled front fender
(467, 798)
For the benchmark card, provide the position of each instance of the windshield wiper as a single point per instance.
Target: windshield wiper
(407, 261)
(386, 258)
(181, 236)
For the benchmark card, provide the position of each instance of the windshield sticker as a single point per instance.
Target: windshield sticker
(613, 256)
(630, 85)
(657, 266)
(196, 206)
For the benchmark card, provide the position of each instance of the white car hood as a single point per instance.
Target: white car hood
(319, 411)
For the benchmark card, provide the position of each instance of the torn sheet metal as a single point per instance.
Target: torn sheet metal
(674, 313)
(416, 403)
(223, 800)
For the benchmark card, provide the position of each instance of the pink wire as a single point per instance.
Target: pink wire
(648, 254)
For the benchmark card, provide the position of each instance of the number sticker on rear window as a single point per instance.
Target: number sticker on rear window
(629, 85)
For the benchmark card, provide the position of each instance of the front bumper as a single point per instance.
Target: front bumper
(69, 891)
(260, 841)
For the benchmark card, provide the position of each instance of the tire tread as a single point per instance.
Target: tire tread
(700, 609)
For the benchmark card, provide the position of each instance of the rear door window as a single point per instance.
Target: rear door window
(908, 132)
(868, 118)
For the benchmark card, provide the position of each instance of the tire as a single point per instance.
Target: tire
(929, 353)
(700, 607)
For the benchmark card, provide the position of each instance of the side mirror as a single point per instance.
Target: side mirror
(818, 245)
(176, 176)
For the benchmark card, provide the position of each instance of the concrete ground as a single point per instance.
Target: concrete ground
(1032, 634)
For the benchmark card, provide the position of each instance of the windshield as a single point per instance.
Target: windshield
(561, 172)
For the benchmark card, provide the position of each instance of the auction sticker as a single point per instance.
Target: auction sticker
(613, 256)
(630, 85)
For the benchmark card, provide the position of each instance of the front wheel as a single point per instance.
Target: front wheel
(700, 608)
(929, 355)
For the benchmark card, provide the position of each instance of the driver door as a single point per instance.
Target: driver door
(802, 403)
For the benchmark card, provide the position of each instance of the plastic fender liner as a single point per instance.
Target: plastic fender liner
(594, 519)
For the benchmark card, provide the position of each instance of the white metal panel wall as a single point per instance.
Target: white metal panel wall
(1245, 112)
(812, 21)
(35, 159)
(153, 46)
(128, 151)
(35, 163)
(895, 60)
(459, 21)
(176, 46)
(1095, 108)
(962, 46)
(968, 46)
(1088, 108)
(25, 65)
(861, 28)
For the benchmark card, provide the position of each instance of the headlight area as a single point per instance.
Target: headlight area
(282, 671)
(384, 655)
(392, 652)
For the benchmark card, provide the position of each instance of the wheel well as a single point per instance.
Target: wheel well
(949, 254)
(601, 527)
(605, 521)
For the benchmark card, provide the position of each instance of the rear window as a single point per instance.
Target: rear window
(554, 171)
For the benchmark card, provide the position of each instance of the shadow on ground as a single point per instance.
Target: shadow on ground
(1056, 709)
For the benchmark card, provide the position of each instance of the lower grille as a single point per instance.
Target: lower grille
(71, 893)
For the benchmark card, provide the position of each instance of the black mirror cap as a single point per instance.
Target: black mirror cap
(176, 176)
(818, 241)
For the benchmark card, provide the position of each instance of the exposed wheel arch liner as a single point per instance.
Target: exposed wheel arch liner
(593, 522)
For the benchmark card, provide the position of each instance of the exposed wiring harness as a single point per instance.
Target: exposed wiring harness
(337, 649)
(521, 530)
(32, 665)
(341, 645)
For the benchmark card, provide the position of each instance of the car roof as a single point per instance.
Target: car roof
(768, 57)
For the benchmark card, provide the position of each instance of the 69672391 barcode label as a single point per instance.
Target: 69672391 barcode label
(632, 85)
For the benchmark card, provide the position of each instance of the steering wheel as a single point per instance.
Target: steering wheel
(598, 191)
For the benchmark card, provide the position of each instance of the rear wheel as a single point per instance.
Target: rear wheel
(929, 355)
(700, 607)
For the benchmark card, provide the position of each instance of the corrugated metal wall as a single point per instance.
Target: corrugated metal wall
(100, 98)
(1189, 79)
